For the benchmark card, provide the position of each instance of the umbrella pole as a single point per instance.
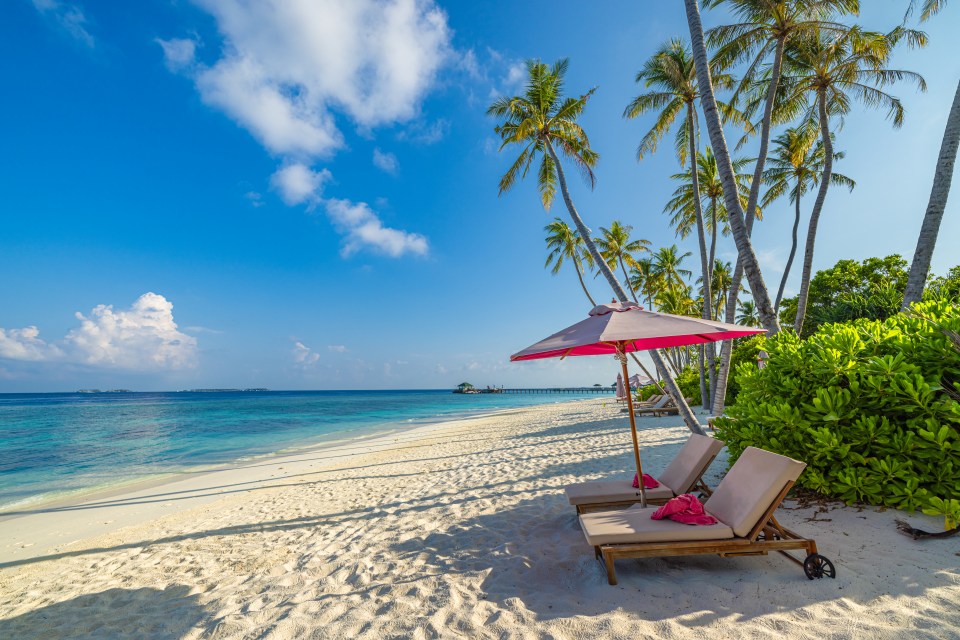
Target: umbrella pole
(633, 426)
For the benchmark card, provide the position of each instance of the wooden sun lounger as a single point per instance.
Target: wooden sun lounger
(743, 503)
(683, 475)
(669, 407)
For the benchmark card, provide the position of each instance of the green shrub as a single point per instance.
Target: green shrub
(863, 404)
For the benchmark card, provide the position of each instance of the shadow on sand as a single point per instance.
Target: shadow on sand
(115, 613)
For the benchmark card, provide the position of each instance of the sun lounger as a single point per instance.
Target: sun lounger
(667, 407)
(683, 475)
(649, 402)
(663, 401)
(743, 503)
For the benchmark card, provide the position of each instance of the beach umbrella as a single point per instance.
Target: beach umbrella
(637, 381)
(621, 390)
(619, 328)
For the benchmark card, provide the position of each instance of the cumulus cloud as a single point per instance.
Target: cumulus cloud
(143, 337)
(362, 228)
(178, 53)
(289, 70)
(304, 355)
(287, 66)
(26, 344)
(69, 16)
(386, 161)
(298, 184)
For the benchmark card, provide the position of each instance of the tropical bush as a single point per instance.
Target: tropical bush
(871, 407)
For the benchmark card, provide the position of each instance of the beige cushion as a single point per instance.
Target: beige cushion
(690, 463)
(612, 491)
(635, 525)
(750, 487)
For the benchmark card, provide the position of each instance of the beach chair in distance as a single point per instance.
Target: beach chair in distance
(684, 474)
(743, 503)
(666, 407)
(649, 402)
(663, 401)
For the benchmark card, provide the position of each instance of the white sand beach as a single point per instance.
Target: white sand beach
(460, 530)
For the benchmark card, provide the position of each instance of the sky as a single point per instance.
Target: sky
(303, 194)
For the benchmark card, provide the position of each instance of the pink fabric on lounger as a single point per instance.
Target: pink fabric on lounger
(649, 482)
(686, 509)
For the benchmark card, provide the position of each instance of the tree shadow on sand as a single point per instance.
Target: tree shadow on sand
(115, 613)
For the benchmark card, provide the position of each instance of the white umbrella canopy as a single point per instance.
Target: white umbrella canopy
(621, 327)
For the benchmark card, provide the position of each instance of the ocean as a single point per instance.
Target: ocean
(60, 445)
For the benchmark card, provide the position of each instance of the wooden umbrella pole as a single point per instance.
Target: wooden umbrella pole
(622, 357)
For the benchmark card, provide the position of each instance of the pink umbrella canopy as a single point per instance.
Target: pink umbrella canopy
(637, 381)
(626, 327)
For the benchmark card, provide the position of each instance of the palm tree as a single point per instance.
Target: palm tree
(644, 280)
(747, 314)
(618, 249)
(539, 120)
(565, 243)
(833, 70)
(667, 267)
(671, 74)
(711, 116)
(942, 177)
(720, 282)
(795, 168)
(765, 28)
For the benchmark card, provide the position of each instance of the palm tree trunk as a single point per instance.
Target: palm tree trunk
(712, 347)
(731, 196)
(920, 266)
(793, 253)
(626, 278)
(817, 209)
(671, 384)
(701, 239)
(580, 276)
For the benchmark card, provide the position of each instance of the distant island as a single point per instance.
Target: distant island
(106, 391)
(221, 390)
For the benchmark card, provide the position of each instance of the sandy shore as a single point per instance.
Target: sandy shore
(456, 531)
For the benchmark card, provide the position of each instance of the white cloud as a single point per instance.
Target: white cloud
(298, 184)
(303, 355)
(255, 198)
(26, 344)
(386, 161)
(68, 16)
(178, 53)
(363, 228)
(143, 337)
(337, 348)
(287, 66)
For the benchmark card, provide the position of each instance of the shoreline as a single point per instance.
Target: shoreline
(136, 482)
(139, 500)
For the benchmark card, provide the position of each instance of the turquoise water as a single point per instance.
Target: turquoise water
(54, 445)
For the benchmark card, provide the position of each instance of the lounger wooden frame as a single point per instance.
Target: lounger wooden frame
(767, 535)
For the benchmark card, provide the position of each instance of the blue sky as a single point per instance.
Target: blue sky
(311, 196)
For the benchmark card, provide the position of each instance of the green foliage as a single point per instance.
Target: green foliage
(745, 351)
(871, 289)
(864, 405)
(851, 290)
(689, 383)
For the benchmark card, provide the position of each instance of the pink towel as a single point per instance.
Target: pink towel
(686, 509)
(649, 482)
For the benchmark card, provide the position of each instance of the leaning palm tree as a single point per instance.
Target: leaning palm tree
(760, 37)
(714, 126)
(566, 244)
(618, 250)
(827, 72)
(644, 281)
(942, 177)
(795, 167)
(670, 74)
(541, 120)
(747, 314)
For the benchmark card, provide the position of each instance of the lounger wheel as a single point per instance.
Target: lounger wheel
(816, 566)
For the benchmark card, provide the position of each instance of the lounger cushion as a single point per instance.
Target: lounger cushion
(634, 525)
(750, 487)
(612, 491)
(690, 463)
